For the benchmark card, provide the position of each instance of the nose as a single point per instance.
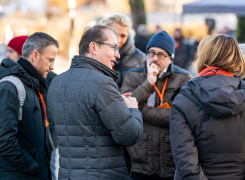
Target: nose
(155, 58)
(7, 55)
(117, 55)
(51, 67)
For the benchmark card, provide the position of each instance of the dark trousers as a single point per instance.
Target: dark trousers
(137, 176)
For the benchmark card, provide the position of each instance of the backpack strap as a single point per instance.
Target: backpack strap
(20, 89)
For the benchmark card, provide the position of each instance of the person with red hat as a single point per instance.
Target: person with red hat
(14, 47)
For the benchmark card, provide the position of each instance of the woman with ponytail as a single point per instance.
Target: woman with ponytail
(208, 115)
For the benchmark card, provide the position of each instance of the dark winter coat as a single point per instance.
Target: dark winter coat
(93, 124)
(23, 150)
(130, 58)
(207, 129)
(152, 154)
(49, 78)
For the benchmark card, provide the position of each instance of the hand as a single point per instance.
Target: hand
(127, 95)
(130, 102)
(152, 72)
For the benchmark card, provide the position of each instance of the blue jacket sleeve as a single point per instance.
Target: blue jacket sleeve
(10, 149)
(125, 125)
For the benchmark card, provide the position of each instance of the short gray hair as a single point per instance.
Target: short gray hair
(242, 48)
(37, 41)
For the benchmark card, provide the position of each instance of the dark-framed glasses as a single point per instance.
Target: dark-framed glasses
(51, 60)
(160, 56)
(116, 48)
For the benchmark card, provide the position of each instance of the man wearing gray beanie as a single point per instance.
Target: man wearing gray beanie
(153, 85)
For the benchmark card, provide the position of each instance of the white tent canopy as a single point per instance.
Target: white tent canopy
(216, 6)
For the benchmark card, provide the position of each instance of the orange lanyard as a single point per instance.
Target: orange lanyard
(46, 121)
(163, 89)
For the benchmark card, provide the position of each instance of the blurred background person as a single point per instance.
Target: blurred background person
(130, 56)
(227, 31)
(141, 38)
(181, 57)
(14, 47)
(242, 48)
(207, 116)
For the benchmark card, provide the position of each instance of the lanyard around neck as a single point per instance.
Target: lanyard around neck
(163, 90)
(46, 121)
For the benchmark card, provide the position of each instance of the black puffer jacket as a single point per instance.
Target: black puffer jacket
(23, 152)
(130, 57)
(207, 129)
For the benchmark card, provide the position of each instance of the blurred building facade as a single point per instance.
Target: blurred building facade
(66, 23)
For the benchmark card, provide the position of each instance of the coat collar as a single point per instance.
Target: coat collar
(10, 67)
(86, 62)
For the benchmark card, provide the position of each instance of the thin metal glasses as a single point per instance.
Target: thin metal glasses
(51, 61)
(116, 48)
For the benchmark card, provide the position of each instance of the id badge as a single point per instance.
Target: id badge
(164, 105)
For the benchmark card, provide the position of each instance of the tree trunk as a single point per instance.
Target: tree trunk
(138, 13)
(241, 29)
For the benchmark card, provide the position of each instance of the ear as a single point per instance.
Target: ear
(93, 48)
(34, 56)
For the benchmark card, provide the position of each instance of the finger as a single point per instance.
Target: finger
(153, 65)
(133, 99)
(148, 64)
(124, 98)
(127, 95)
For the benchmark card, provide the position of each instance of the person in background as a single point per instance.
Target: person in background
(207, 116)
(14, 47)
(242, 48)
(130, 56)
(181, 56)
(227, 31)
(153, 85)
(93, 121)
(25, 145)
(142, 37)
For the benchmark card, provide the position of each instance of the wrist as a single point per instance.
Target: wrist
(151, 83)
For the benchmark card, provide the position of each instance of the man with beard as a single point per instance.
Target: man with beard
(130, 56)
(153, 85)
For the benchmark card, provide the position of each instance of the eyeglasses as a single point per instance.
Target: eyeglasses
(160, 56)
(116, 48)
(51, 61)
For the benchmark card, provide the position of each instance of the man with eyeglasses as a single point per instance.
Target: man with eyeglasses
(93, 121)
(153, 85)
(25, 142)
